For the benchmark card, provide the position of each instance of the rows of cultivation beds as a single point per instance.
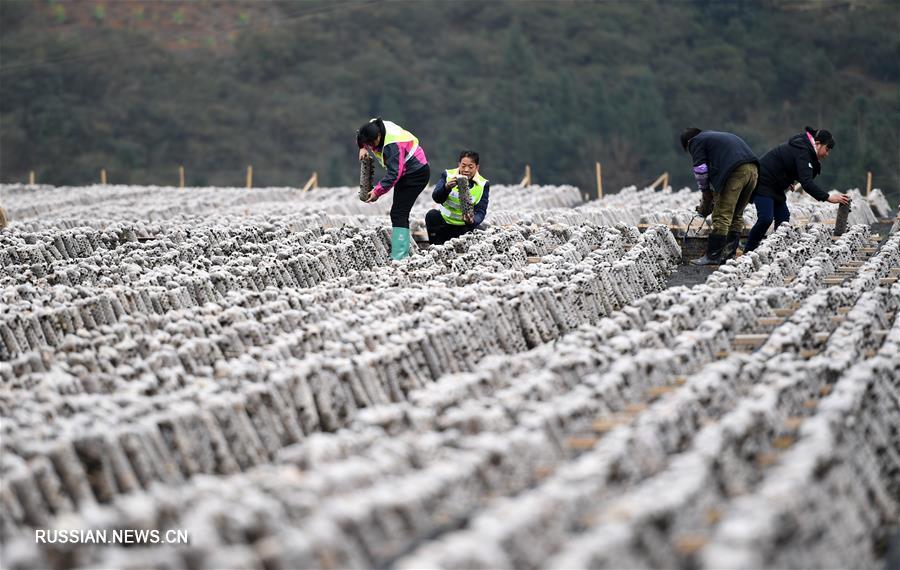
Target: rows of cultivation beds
(255, 370)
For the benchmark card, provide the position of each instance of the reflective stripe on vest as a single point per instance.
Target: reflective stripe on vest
(394, 133)
(451, 209)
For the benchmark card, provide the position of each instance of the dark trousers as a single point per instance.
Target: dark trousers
(767, 211)
(406, 191)
(439, 231)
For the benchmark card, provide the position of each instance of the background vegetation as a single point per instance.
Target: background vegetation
(141, 87)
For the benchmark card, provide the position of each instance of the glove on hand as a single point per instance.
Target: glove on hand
(705, 207)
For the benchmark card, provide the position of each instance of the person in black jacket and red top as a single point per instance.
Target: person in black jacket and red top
(726, 171)
(798, 159)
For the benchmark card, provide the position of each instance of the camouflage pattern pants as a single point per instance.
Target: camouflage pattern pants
(728, 210)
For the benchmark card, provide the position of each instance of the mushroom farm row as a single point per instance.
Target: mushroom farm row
(249, 366)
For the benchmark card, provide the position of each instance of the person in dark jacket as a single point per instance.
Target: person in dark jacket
(798, 159)
(726, 171)
(407, 172)
(449, 222)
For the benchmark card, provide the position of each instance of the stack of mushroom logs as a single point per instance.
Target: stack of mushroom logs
(292, 399)
(648, 206)
(366, 177)
(637, 440)
(30, 206)
(117, 336)
(465, 199)
(337, 207)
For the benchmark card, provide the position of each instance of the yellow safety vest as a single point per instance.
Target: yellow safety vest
(451, 209)
(394, 133)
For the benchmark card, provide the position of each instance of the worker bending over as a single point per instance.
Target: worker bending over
(797, 159)
(449, 222)
(398, 151)
(726, 171)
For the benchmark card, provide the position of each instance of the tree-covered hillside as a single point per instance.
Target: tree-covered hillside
(141, 87)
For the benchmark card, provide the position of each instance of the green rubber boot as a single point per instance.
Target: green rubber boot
(399, 243)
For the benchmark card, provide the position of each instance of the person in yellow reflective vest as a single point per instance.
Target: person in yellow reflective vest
(406, 171)
(449, 222)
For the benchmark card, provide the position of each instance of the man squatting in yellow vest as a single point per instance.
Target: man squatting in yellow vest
(448, 222)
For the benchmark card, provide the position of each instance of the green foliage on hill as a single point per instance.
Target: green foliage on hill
(557, 85)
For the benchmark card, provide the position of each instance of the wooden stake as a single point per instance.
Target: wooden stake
(658, 391)
(690, 545)
(749, 340)
(868, 182)
(665, 180)
(581, 442)
(526, 180)
(599, 181)
(103, 176)
(783, 442)
(766, 458)
(313, 182)
(31, 177)
(604, 425)
(181, 176)
(793, 423)
(250, 176)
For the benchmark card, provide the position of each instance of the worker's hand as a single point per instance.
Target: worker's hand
(363, 153)
(469, 219)
(794, 187)
(705, 207)
(373, 197)
(451, 183)
(839, 199)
